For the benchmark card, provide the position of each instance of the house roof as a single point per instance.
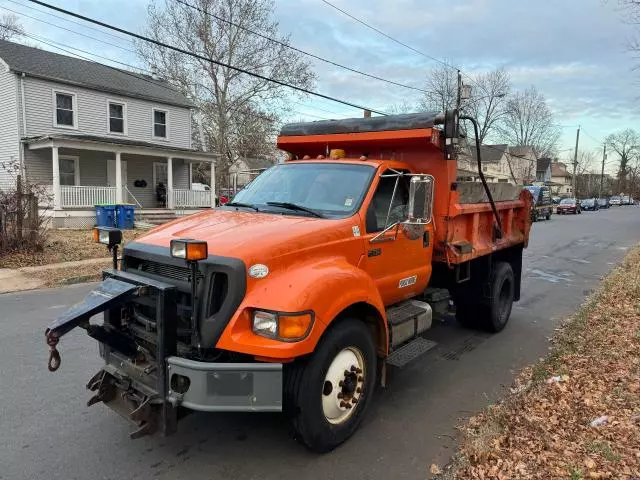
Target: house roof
(40, 63)
(258, 163)
(522, 151)
(490, 153)
(124, 142)
(559, 169)
(543, 164)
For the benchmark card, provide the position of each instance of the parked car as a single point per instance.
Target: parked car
(603, 202)
(615, 200)
(556, 200)
(624, 200)
(569, 205)
(589, 204)
(542, 205)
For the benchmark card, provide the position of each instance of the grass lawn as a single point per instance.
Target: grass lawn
(63, 246)
(575, 414)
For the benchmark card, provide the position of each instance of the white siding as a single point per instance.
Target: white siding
(92, 114)
(9, 138)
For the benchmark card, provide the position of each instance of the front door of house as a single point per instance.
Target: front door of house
(160, 176)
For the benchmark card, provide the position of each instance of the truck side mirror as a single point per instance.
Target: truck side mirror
(420, 200)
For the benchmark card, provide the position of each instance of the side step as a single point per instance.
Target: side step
(411, 351)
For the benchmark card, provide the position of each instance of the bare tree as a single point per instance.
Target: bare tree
(488, 101)
(231, 103)
(631, 12)
(627, 145)
(441, 88)
(528, 121)
(10, 27)
(403, 106)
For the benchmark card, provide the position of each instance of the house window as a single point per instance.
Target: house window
(160, 123)
(65, 109)
(69, 173)
(117, 117)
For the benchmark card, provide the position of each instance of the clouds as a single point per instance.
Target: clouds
(574, 51)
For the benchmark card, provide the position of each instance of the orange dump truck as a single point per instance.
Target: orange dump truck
(297, 296)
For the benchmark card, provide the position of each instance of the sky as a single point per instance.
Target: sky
(574, 51)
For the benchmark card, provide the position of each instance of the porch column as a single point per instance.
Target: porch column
(213, 184)
(118, 178)
(169, 182)
(57, 193)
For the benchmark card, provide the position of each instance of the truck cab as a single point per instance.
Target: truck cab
(297, 296)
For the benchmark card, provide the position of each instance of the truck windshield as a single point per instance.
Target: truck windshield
(334, 190)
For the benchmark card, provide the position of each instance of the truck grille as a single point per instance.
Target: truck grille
(174, 272)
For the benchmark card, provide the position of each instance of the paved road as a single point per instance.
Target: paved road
(46, 431)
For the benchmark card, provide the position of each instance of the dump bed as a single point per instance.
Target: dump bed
(465, 224)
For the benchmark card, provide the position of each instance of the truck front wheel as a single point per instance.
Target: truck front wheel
(328, 394)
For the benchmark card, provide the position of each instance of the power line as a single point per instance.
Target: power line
(68, 29)
(415, 50)
(55, 44)
(70, 21)
(295, 49)
(202, 57)
(68, 48)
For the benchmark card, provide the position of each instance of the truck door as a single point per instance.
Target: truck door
(400, 267)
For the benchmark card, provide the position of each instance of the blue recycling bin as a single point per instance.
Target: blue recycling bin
(106, 215)
(125, 215)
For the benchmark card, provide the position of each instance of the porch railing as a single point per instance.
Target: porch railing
(191, 198)
(86, 196)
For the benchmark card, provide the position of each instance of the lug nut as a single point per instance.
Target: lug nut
(360, 378)
(340, 395)
(354, 400)
(340, 383)
(358, 390)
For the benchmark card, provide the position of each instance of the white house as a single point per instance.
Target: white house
(95, 134)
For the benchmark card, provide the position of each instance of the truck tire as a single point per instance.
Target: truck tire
(326, 395)
(502, 289)
(491, 315)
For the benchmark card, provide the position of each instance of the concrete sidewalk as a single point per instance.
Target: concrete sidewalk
(15, 280)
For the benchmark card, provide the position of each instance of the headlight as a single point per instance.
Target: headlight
(265, 323)
(107, 235)
(282, 326)
(190, 250)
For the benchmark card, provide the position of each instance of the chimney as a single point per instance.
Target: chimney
(154, 73)
(367, 114)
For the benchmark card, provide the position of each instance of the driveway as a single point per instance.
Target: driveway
(48, 432)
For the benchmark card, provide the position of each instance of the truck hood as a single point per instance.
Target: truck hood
(252, 237)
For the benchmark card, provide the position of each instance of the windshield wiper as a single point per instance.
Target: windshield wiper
(295, 206)
(240, 204)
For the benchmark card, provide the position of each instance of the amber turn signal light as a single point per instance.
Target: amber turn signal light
(294, 327)
(107, 236)
(190, 250)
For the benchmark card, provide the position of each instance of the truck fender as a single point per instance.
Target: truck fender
(330, 288)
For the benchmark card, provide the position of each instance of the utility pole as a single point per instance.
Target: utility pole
(459, 97)
(575, 164)
(604, 157)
